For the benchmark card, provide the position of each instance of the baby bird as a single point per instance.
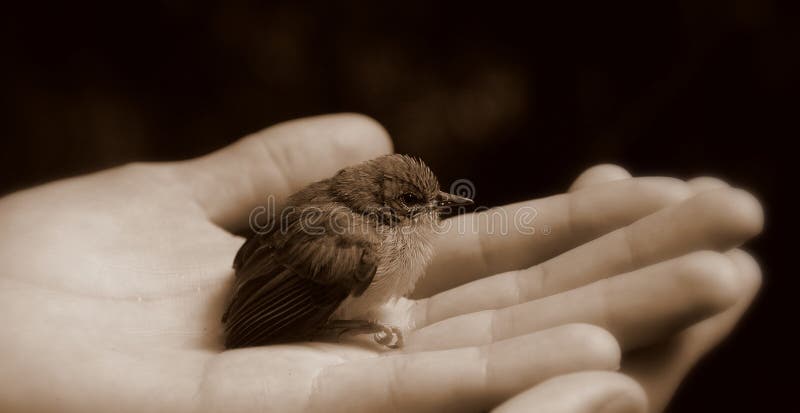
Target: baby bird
(339, 252)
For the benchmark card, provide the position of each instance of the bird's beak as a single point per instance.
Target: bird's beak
(444, 200)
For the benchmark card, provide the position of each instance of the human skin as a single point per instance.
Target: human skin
(113, 285)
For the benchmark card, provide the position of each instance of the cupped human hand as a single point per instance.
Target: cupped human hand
(113, 285)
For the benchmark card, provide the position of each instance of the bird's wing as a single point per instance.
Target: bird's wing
(288, 286)
(247, 250)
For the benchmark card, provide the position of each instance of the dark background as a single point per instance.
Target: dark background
(519, 100)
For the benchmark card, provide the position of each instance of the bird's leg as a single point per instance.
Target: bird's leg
(389, 336)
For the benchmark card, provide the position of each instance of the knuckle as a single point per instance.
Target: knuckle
(151, 170)
(164, 173)
(707, 183)
(667, 190)
(138, 167)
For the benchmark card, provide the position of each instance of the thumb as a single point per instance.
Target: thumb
(278, 161)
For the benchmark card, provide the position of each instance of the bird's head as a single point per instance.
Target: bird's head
(397, 189)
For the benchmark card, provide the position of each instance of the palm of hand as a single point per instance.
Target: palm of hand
(143, 273)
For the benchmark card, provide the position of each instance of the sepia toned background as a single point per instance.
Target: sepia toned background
(518, 100)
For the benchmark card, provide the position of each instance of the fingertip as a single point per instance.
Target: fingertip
(517, 363)
(750, 212)
(749, 270)
(598, 346)
(622, 395)
(582, 392)
(599, 174)
(706, 183)
(735, 211)
(713, 278)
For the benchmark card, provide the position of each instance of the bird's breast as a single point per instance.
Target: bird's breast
(404, 255)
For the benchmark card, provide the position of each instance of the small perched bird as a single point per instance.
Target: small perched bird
(339, 252)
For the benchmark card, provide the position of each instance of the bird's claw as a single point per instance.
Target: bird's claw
(391, 337)
(386, 335)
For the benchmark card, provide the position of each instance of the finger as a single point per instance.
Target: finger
(639, 308)
(584, 392)
(599, 174)
(661, 369)
(716, 220)
(465, 379)
(479, 244)
(706, 183)
(278, 161)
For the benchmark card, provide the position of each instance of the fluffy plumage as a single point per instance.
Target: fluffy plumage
(340, 249)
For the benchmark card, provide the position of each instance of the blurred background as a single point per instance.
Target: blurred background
(518, 100)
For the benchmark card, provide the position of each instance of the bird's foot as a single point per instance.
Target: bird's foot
(389, 336)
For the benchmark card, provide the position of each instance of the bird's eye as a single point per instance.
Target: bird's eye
(410, 199)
